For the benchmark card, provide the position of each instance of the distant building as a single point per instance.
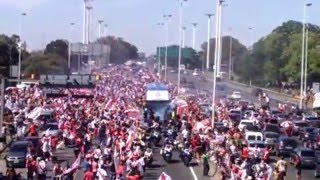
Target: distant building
(141, 55)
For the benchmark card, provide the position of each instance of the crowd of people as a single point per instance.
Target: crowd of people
(108, 131)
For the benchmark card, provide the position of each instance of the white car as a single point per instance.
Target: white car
(195, 73)
(236, 95)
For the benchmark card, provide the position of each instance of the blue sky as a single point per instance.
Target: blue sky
(136, 20)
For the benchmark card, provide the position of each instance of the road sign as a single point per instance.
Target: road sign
(316, 87)
(68, 81)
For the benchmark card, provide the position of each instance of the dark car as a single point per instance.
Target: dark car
(308, 157)
(272, 128)
(286, 146)
(313, 121)
(307, 134)
(17, 154)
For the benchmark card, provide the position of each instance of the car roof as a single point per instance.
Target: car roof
(286, 138)
(253, 132)
(21, 143)
(255, 142)
(305, 149)
(270, 132)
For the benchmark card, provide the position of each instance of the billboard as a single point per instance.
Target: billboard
(68, 81)
(154, 95)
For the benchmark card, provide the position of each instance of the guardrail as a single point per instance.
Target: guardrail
(268, 91)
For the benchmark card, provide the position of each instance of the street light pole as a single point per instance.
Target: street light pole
(105, 30)
(100, 23)
(69, 46)
(180, 41)
(184, 37)
(84, 22)
(194, 27)
(89, 14)
(159, 53)
(20, 46)
(230, 56)
(220, 34)
(303, 54)
(166, 17)
(306, 60)
(251, 49)
(208, 40)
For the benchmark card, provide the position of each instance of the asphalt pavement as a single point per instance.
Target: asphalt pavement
(306, 173)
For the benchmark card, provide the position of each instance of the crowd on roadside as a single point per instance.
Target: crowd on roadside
(107, 132)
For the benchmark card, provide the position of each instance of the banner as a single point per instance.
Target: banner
(154, 95)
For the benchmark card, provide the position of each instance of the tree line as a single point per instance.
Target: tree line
(53, 59)
(273, 59)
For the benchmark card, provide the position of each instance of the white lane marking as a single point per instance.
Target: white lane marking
(193, 173)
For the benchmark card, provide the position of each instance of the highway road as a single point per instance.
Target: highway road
(306, 174)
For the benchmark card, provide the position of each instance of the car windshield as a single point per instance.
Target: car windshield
(50, 126)
(312, 118)
(289, 142)
(18, 148)
(271, 135)
(308, 153)
(259, 145)
(310, 130)
(302, 124)
(246, 123)
(272, 128)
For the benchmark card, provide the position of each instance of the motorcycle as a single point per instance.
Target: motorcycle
(148, 157)
(156, 137)
(166, 152)
(186, 157)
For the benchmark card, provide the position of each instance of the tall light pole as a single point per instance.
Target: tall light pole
(84, 22)
(180, 41)
(184, 37)
(166, 17)
(230, 56)
(250, 49)
(159, 52)
(69, 46)
(89, 18)
(216, 58)
(208, 40)
(194, 29)
(20, 46)
(100, 23)
(306, 60)
(220, 34)
(105, 30)
(303, 53)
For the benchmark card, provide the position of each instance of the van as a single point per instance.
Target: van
(245, 122)
(253, 136)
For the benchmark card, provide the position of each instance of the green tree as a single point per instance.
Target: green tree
(9, 53)
(59, 47)
(121, 51)
(39, 63)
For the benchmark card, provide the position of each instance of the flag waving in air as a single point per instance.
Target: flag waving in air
(164, 176)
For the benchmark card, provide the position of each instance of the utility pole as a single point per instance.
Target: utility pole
(194, 27)
(2, 105)
(100, 25)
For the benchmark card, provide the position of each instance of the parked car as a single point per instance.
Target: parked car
(236, 95)
(272, 128)
(307, 134)
(17, 154)
(308, 157)
(286, 146)
(50, 128)
(271, 140)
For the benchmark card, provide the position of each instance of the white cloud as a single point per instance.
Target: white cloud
(23, 4)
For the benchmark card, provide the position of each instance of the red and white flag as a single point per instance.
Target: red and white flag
(164, 176)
